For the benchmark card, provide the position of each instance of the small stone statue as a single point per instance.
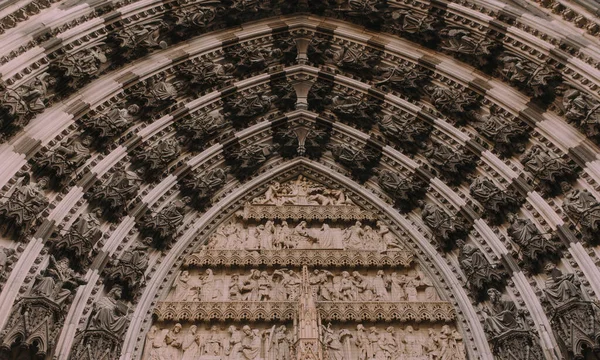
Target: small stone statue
(79, 240)
(465, 42)
(479, 272)
(533, 245)
(359, 110)
(454, 164)
(82, 65)
(199, 128)
(152, 161)
(561, 288)
(110, 313)
(548, 169)
(457, 105)
(502, 317)
(243, 108)
(404, 191)
(447, 230)
(408, 132)
(110, 123)
(507, 135)
(244, 161)
(495, 201)
(360, 161)
(405, 78)
(114, 194)
(21, 206)
(5, 261)
(163, 226)
(354, 59)
(584, 110)
(205, 74)
(199, 188)
(583, 208)
(129, 269)
(537, 80)
(61, 162)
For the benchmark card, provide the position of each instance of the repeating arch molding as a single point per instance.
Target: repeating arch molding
(471, 129)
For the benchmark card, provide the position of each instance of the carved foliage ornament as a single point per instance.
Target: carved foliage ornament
(537, 80)
(110, 123)
(456, 105)
(79, 67)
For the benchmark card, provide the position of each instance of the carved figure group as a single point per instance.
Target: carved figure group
(284, 285)
(391, 343)
(302, 191)
(272, 236)
(247, 343)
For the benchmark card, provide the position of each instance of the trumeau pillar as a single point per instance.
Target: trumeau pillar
(308, 344)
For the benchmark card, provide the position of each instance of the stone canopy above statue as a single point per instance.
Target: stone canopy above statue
(304, 199)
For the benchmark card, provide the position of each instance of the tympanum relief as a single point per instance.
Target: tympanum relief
(302, 271)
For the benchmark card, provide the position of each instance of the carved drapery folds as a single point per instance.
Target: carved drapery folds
(361, 162)
(162, 226)
(496, 202)
(153, 160)
(583, 208)
(405, 191)
(457, 105)
(319, 96)
(285, 94)
(575, 320)
(480, 274)
(78, 241)
(6, 260)
(453, 164)
(508, 332)
(18, 104)
(243, 161)
(115, 193)
(446, 229)
(36, 319)
(61, 162)
(21, 206)
(509, 136)
(408, 132)
(534, 247)
(418, 27)
(199, 188)
(549, 170)
(189, 20)
(536, 80)
(469, 46)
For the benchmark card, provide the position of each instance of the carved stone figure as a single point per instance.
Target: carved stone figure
(502, 317)
(205, 74)
(404, 191)
(457, 105)
(83, 65)
(496, 202)
(317, 50)
(57, 282)
(465, 42)
(162, 226)
(480, 274)
(199, 128)
(415, 26)
(251, 343)
(5, 261)
(242, 109)
(21, 206)
(333, 343)
(173, 342)
(19, 104)
(114, 194)
(537, 80)
(534, 246)
(353, 59)
(408, 132)
(110, 123)
(360, 161)
(61, 162)
(198, 17)
(246, 160)
(320, 96)
(583, 208)
(78, 241)
(447, 230)
(561, 288)
(285, 93)
(191, 345)
(128, 270)
(362, 111)
(199, 188)
(548, 169)
(110, 313)
(405, 78)
(507, 135)
(248, 59)
(154, 94)
(137, 40)
(234, 347)
(584, 110)
(452, 163)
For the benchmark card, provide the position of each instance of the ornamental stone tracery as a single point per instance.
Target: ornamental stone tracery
(436, 193)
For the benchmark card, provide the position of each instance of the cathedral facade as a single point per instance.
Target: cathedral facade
(299, 180)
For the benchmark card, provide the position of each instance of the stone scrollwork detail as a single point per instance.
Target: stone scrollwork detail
(455, 165)
(113, 196)
(152, 161)
(509, 136)
(549, 170)
(508, 332)
(244, 161)
(583, 208)
(447, 230)
(197, 129)
(405, 191)
(36, 318)
(575, 320)
(163, 225)
(480, 274)
(496, 202)
(361, 162)
(19, 104)
(21, 206)
(408, 132)
(198, 189)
